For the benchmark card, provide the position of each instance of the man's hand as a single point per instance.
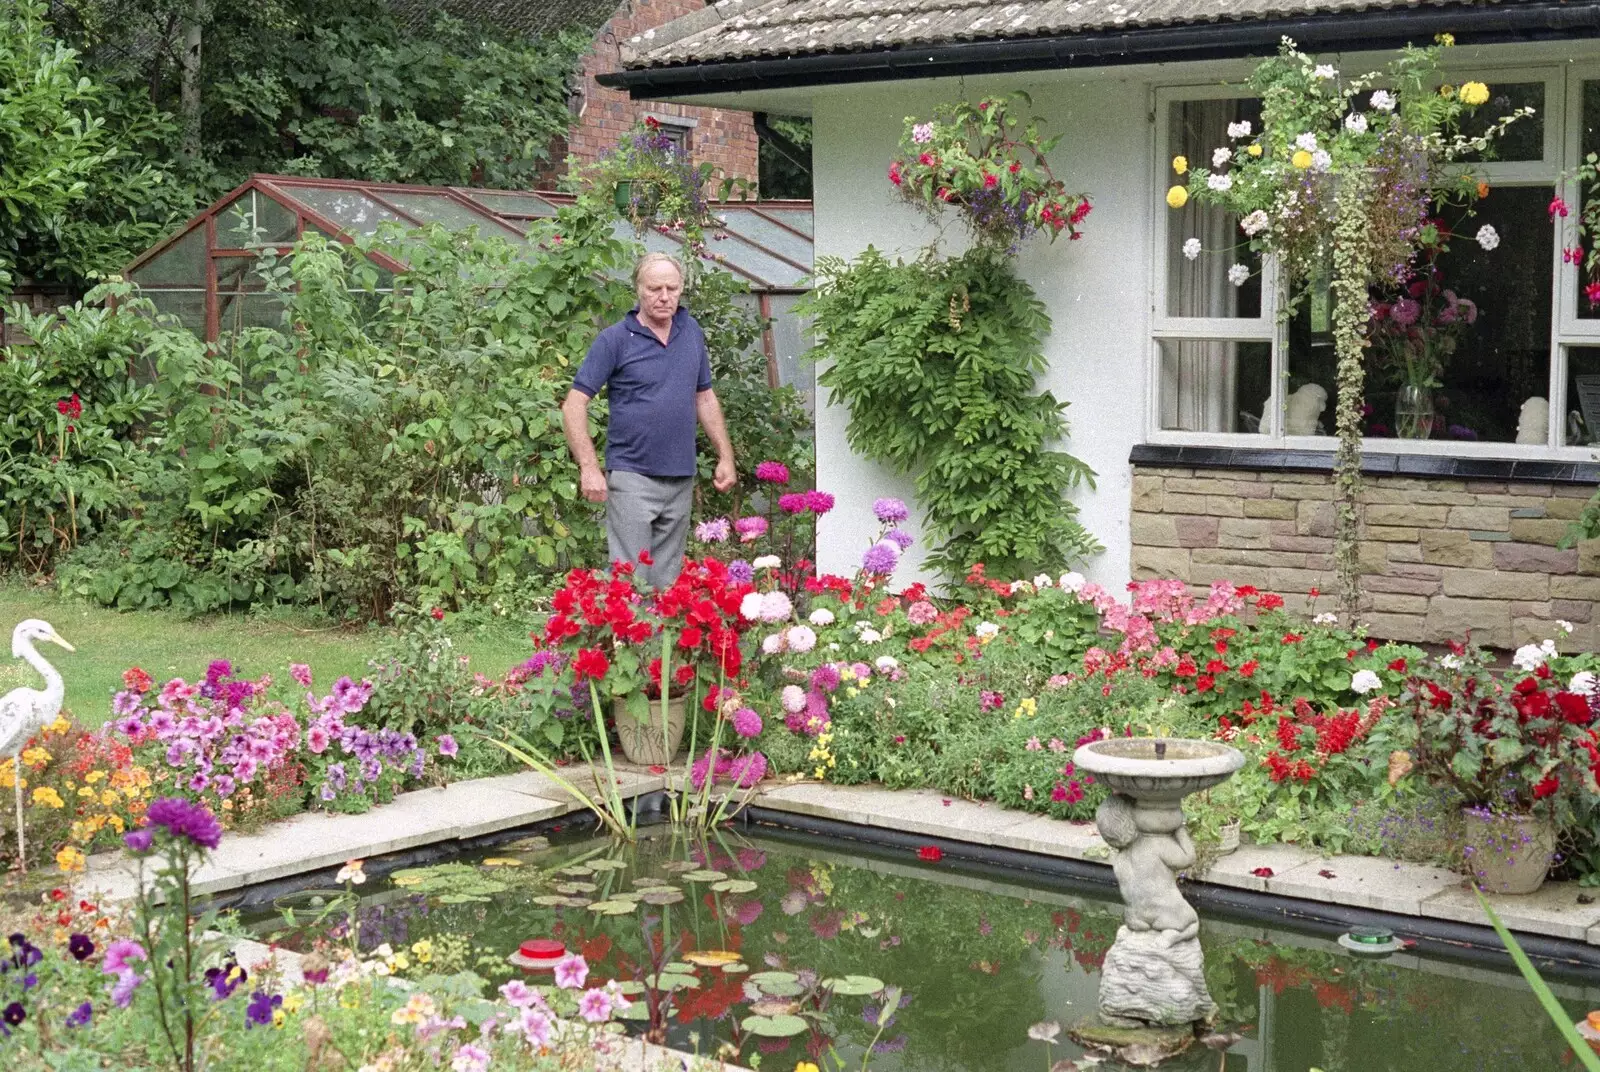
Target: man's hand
(724, 478)
(592, 482)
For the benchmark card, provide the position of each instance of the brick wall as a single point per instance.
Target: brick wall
(1438, 557)
(727, 139)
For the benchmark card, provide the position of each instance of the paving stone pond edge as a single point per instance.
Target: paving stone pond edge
(1430, 905)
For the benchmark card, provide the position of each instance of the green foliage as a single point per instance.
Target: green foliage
(76, 196)
(937, 362)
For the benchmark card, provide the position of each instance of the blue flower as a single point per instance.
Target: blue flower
(80, 1016)
(259, 1011)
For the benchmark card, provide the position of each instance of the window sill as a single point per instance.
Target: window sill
(1376, 462)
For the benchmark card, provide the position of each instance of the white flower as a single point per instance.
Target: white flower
(886, 664)
(775, 607)
(1255, 223)
(1584, 683)
(1325, 71)
(1238, 274)
(1355, 123)
(1219, 182)
(1321, 160)
(1239, 130)
(750, 606)
(870, 636)
(1383, 100)
(821, 616)
(1221, 156)
(1017, 586)
(860, 625)
(767, 562)
(986, 631)
(772, 643)
(1365, 681)
(1563, 627)
(922, 133)
(1073, 582)
(1044, 580)
(1530, 657)
(351, 872)
(1306, 141)
(833, 646)
(1191, 248)
(793, 699)
(1488, 237)
(1326, 618)
(1450, 662)
(800, 638)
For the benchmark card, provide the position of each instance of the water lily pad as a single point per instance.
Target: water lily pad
(502, 861)
(613, 908)
(711, 958)
(637, 1011)
(678, 967)
(461, 898)
(676, 867)
(650, 881)
(782, 1026)
(536, 843)
(631, 986)
(578, 902)
(672, 981)
(780, 990)
(704, 876)
(762, 978)
(736, 968)
(606, 865)
(734, 885)
(575, 887)
(550, 900)
(854, 985)
(576, 870)
(661, 896)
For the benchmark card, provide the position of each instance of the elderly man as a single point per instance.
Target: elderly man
(656, 364)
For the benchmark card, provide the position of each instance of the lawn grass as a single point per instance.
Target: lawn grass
(166, 646)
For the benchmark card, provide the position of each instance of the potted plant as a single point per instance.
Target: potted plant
(1520, 750)
(651, 181)
(1416, 330)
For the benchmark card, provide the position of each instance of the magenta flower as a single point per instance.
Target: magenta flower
(819, 502)
(746, 723)
(882, 557)
(301, 674)
(571, 970)
(825, 677)
(127, 982)
(713, 531)
(792, 503)
(470, 1058)
(889, 511)
(900, 538)
(750, 528)
(182, 819)
(772, 472)
(595, 1006)
(519, 995)
(137, 840)
(922, 613)
(118, 953)
(317, 739)
(447, 745)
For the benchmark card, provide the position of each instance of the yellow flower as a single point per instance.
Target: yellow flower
(278, 1017)
(85, 792)
(846, 674)
(1180, 164)
(36, 756)
(423, 951)
(95, 776)
(1027, 708)
(48, 796)
(1253, 150)
(806, 1066)
(1474, 93)
(117, 823)
(292, 1002)
(109, 798)
(820, 773)
(1447, 92)
(59, 726)
(1177, 197)
(1301, 159)
(852, 691)
(70, 859)
(1445, 39)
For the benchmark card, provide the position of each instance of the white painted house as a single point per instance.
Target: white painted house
(1177, 380)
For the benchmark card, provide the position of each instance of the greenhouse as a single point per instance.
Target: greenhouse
(204, 274)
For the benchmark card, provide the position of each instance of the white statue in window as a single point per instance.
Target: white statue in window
(1302, 411)
(1533, 424)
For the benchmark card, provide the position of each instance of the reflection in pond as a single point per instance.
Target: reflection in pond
(786, 948)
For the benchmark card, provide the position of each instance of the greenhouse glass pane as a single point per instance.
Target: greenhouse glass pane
(235, 312)
(189, 306)
(791, 339)
(238, 273)
(431, 208)
(253, 219)
(798, 218)
(182, 264)
(349, 208)
(771, 271)
(769, 235)
(508, 204)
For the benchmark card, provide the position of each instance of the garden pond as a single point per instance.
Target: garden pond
(783, 944)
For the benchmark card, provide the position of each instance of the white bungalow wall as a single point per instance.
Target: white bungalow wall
(1096, 289)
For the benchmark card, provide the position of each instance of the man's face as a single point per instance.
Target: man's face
(659, 289)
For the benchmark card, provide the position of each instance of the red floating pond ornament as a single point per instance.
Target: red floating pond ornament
(538, 954)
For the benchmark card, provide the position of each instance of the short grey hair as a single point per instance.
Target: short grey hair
(657, 258)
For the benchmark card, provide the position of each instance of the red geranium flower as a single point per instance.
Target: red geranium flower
(931, 852)
(591, 662)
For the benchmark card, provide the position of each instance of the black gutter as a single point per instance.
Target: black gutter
(1510, 21)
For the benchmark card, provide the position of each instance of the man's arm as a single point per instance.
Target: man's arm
(709, 410)
(575, 423)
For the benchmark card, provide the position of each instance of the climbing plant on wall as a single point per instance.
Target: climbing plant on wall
(937, 358)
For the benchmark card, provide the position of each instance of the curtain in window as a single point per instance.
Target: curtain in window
(1199, 378)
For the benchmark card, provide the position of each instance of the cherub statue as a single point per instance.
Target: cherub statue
(1152, 846)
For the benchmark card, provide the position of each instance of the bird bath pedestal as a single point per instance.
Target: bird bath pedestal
(1152, 976)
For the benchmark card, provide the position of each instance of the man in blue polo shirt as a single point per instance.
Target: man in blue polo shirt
(655, 362)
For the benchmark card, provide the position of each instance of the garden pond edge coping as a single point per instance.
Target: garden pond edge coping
(1324, 887)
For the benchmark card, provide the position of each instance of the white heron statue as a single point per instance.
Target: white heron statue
(23, 711)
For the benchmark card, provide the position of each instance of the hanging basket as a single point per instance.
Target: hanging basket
(636, 199)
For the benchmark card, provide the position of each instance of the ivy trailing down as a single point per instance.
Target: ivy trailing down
(936, 360)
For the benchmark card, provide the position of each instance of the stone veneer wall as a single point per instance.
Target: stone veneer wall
(1439, 557)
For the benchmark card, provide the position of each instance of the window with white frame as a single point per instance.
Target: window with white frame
(1518, 346)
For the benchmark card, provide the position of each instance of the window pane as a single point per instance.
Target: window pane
(347, 207)
(1522, 140)
(1471, 328)
(430, 208)
(235, 312)
(1214, 385)
(1590, 144)
(1199, 285)
(182, 264)
(791, 338)
(238, 273)
(254, 219)
(189, 306)
(510, 204)
(1582, 424)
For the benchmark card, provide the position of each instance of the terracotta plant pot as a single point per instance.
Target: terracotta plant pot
(642, 740)
(1508, 853)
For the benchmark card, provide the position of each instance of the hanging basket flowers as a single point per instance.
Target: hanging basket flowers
(988, 164)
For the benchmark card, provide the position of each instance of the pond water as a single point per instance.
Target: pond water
(978, 960)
